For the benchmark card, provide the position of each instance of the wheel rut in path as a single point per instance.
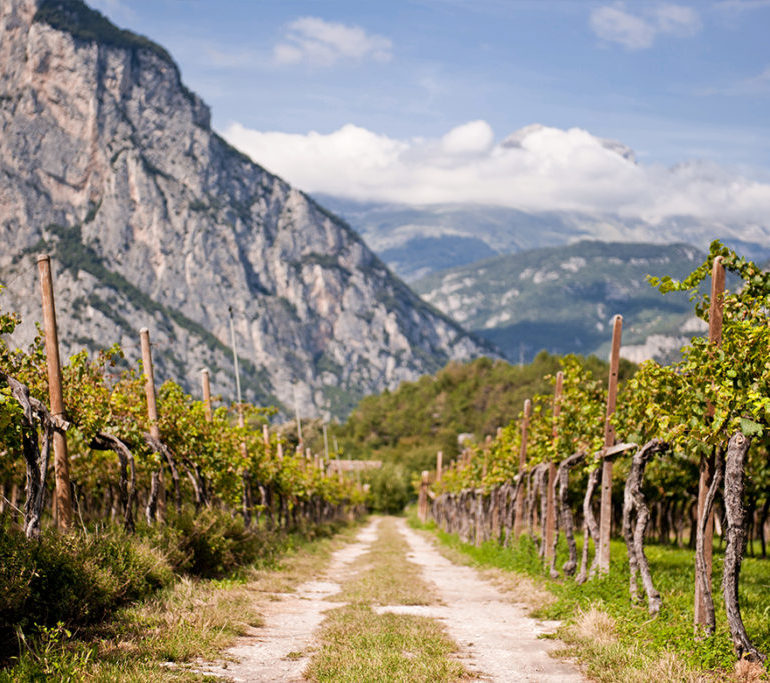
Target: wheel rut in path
(279, 650)
(497, 640)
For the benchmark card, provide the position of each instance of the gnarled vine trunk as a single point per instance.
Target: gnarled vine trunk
(701, 572)
(565, 519)
(127, 485)
(590, 528)
(737, 448)
(36, 455)
(634, 501)
(157, 446)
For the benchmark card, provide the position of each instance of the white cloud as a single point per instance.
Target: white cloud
(324, 43)
(615, 24)
(677, 20)
(470, 138)
(537, 168)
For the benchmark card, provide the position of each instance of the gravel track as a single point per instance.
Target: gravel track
(496, 640)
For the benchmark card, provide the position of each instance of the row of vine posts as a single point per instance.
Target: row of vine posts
(54, 426)
(508, 510)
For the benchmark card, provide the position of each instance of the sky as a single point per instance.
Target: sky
(492, 101)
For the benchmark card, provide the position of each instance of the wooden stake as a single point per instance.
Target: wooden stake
(62, 492)
(149, 382)
(518, 522)
(605, 520)
(266, 436)
(207, 394)
(550, 510)
(439, 465)
(707, 461)
(152, 411)
(422, 502)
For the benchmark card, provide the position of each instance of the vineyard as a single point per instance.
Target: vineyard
(675, 452)
(149, 483)
(213, 487)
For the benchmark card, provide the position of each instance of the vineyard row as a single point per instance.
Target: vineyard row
(693, 437)
(121, 447)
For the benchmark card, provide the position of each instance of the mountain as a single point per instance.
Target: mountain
(416, 241)
(109, 162)
(562, 299)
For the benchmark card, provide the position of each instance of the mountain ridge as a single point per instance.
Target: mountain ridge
(410, 237)
(109, 161)
(562, 298)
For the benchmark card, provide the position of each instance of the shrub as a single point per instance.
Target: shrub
(209, 544)
(73, 578)
(390, 490)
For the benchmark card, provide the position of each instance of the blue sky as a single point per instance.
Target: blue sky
(674, 81)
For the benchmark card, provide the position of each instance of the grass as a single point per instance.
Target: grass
(357, 644)
(154, 640)
(614, 639)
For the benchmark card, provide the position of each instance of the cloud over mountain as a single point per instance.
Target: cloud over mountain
(637, 31)
(535, 168)
(323, 43)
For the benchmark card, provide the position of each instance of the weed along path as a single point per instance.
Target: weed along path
(390, 607)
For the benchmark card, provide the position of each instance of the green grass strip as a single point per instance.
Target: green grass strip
(358, 645)
(637, 638)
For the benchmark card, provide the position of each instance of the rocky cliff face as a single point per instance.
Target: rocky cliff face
(109, 163)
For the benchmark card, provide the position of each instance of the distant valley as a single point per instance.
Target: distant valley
(562, 299)
(547, 280)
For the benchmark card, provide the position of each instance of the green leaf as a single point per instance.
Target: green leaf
(751, 428)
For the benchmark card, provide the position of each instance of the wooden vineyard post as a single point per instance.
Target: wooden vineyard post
(605, 518)
(152, 412)
(439, 466)
(422, 502)
(62, 491)
(206, 394)
(707, 461)
(518, 522)
(550, 510)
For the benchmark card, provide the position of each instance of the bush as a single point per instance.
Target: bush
(72, 578)
(389, 488)
(210, 544)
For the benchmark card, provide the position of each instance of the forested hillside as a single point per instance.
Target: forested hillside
(410, 424)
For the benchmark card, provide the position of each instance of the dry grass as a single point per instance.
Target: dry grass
(749, 672)
(593, 639)
(594, 625)
(157, 639)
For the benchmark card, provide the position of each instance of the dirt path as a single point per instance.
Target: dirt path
(496, 640)
(279, 650)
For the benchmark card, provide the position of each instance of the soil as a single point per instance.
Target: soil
(496, 640)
